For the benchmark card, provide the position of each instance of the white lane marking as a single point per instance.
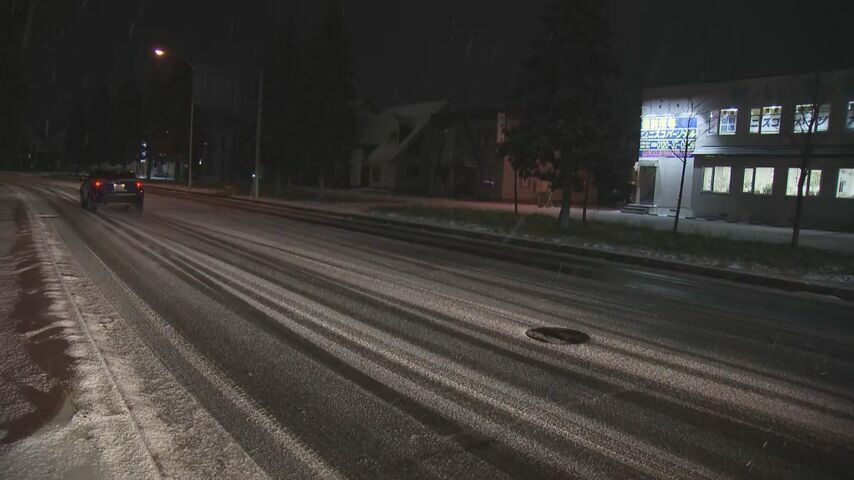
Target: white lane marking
(616, 445)
(255, 412)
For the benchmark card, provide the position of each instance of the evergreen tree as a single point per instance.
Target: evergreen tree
(331, 94)
(15, 90)
(75, 138)
(564, 113)
(284, 105)
(100, 144)
(128, 119)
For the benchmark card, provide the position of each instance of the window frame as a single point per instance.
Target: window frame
(731, 113)
(807, 184)
(752, 190)
(755, 120)
(710, 188)
(769, 111)
(823, 111)
(744, 184)
(838, 185)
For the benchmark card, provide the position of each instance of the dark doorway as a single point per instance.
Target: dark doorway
(646, 185)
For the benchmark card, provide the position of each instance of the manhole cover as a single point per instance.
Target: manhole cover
(560, 336)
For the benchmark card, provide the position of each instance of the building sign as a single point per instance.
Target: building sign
(502, 124)
(770, 120)
(664, 136)
(755, 115)
(804, 118)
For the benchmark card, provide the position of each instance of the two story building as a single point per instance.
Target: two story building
(745, 140)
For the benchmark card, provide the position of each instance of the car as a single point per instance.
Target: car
(105, 187)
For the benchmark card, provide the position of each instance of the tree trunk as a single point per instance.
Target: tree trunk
(679, 199)
(586, 195)
(799, 204)
(796, 228)
(806, 156)
(516, 192)
(682, 182)
(565, 203)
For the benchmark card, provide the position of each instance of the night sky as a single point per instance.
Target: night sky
(406, 51)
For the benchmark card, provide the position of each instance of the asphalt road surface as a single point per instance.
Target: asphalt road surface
(324, 352)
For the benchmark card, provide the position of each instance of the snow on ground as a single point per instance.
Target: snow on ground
(821, 276)
(119, 418)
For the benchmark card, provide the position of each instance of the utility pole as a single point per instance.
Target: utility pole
(190, 163)
(256, 176)
(160, 53)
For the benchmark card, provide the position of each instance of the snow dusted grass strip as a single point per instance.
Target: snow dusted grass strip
(720, 252)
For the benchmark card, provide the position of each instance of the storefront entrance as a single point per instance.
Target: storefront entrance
(646, 185)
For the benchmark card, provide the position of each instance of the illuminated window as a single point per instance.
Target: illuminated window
(812, 186)
(748, 180)
(763, 182)
(804, 117)
(392, 133)
(823, 118)
(770, 120)
(755, 119)
(850, 120)
(728, 121)
(708, 174)
(845, 183)
(716, 179)
(759, 181)
(722, 177)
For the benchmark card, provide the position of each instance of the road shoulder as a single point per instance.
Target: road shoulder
(124, 415)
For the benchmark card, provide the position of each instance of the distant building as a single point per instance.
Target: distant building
(745, 139)
(46, 153)
(391, 153)
(430, 149)
(216, 97)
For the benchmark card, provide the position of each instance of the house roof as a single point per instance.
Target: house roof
(411, 118)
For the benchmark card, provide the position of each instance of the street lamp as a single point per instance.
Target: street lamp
(160, 53)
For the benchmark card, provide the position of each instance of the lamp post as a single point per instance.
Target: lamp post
(256, 177)
(160, 53)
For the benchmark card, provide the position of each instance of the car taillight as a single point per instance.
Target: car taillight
(139, 185)
(97, 184)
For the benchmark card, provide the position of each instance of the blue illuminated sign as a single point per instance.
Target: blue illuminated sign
(665, 135)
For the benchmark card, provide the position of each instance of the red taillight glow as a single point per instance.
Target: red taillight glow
(97, 184)
(139, 185)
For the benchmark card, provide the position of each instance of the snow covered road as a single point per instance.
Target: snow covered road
(213, 342)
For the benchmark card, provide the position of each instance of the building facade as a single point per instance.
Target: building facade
(216, 100)
(743, 142)
(392, 148)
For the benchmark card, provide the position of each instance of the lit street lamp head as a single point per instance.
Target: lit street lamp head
(159, 52)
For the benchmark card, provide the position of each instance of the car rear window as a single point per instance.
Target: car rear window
(109, 175)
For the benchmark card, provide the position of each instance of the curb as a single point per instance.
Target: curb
(528, 246)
